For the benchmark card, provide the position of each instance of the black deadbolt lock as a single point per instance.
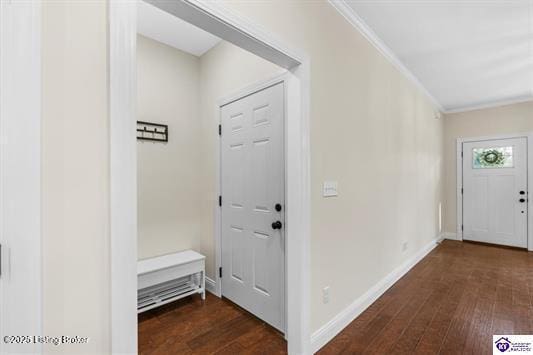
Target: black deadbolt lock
(522, 200)
(278, 207)
(522, 192)
(276, 225)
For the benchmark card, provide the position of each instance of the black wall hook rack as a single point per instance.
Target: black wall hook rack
(155, 132)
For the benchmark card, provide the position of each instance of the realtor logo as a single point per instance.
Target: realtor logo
(503, 344)
(516, 343)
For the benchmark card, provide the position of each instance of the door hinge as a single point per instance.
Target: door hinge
(219, 129)
(220, 272)
(461, 153)
(462, 227)
(220, 201)
(462, 191)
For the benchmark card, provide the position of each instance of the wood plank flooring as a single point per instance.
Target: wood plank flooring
(452, 302)
(216, 326)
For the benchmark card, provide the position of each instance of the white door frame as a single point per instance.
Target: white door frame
(284, 78)
(20, 173)
(459, 179)
(215, 18)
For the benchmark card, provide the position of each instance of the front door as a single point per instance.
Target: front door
(495, 191)
(253, 203)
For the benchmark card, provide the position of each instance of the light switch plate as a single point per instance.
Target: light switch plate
(330, 189)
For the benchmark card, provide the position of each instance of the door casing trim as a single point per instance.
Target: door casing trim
(459, 179)
(20, 172)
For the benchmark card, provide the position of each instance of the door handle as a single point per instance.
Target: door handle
(277, 225)
(522, 200)
(522, 192)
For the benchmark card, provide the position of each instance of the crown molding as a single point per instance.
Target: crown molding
(493, 104)
(359, 24)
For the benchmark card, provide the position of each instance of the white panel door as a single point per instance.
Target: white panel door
(253, 204)
(495, 191)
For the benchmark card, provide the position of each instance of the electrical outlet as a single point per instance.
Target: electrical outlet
(405, 245)
(325, 295)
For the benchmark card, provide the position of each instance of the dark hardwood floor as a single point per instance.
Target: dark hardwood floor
(216, 326)
(452, 302)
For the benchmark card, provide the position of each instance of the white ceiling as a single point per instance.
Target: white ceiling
(466, 54)
(157, 24)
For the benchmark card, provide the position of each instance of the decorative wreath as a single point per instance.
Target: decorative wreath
(491, 157)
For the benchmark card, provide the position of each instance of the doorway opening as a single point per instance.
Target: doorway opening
(280, 243)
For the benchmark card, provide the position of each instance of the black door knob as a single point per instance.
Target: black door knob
(522, 192)
(277, 207)
(522, 200)
(276, 225)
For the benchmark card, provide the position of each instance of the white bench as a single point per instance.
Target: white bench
(167, 278)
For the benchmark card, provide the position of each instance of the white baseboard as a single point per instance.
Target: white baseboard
(211, 286)
(329, 330)
(450, 236)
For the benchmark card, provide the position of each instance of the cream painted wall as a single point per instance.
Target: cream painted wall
(75, 175)
(169, 192)
(374, 133)
(371, 130)
(517, 118)
(224, 69)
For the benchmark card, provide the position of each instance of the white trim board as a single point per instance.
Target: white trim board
(123, 174)
(215, 18)
(329, 330)
(511, 101)
(450, 236)
(459, 180)
(211, 286)
(235, 29)
(20, 173)
(360, 25)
